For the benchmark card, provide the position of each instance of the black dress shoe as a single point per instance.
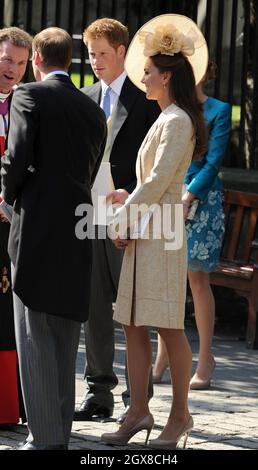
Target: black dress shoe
(121, 418)
(88, 410)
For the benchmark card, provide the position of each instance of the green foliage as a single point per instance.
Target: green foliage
(236, 110)
(88, 79)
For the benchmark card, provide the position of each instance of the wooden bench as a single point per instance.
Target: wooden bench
(238, 265)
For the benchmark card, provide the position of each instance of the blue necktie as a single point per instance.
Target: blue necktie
(106, 102)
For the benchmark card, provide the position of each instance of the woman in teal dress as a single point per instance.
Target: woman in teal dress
(204, 231)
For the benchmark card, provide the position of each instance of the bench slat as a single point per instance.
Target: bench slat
(252, 221)
(226, 212)
(235, 233)
(246, 272)
(241, 199)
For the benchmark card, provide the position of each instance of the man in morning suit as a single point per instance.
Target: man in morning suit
(55, 145)
(129, 117)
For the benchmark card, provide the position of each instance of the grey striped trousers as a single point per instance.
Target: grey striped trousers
(47, 347)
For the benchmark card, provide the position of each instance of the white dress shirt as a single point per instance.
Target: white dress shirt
(116, 87)
(55, 72)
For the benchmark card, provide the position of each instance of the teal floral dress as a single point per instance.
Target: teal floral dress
(205, 234)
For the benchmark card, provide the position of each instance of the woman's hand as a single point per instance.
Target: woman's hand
(118, 196)
(120, 243)
(186, 207)
(187, 199)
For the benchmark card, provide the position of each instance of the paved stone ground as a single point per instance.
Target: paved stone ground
(225, 417)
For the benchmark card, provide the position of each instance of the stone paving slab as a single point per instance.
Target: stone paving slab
(225, 417)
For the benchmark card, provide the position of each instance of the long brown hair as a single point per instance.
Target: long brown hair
(182, 90)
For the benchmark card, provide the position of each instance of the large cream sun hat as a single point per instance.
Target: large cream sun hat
(167, 34)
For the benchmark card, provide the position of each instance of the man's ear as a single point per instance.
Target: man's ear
(37, 58)
(121, 51)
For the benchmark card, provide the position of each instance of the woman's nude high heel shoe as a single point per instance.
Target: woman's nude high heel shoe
(121, 438)
(203, 383)
(167, 444)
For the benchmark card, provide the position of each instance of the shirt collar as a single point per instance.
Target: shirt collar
(4, 96)
(116, 85)
(55, 72)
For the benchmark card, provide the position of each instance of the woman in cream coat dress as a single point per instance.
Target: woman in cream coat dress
(153, 279)
(152, 287)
